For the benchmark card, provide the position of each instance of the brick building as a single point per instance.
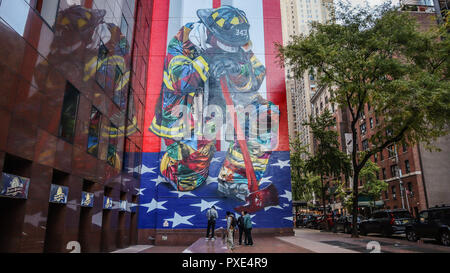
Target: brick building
(417, 178)
(73, 81)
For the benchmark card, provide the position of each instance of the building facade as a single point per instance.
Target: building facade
(73, 87)
(189, 174)
(417, 178)
(297, 16)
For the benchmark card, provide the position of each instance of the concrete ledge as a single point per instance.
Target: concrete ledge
(186, 237)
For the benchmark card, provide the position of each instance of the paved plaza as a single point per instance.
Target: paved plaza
(304, 241)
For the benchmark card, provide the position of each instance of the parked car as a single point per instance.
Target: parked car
(345, 224)
(431, 223)
(324, 221)
(302, 219)
(386, 222)
(313, 221)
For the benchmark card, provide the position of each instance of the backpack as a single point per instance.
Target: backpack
(233, 221)
(211, 215)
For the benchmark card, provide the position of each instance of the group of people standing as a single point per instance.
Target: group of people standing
(243, 223)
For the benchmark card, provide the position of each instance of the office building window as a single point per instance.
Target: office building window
(47, 9)
(391, 151)
(102, 65)
(112, 145)
(137, 162)
(365, 145)
(363, 128)
(94, 131)
(15, 14)
(410, 189)
(405, 148)
(127, 165)
(394, 170)
(118, 87)
(124, 26)
(69, 113)
(407, 167)
(394, 192)
(381, 156)
(131, 107)
(371, 123)
(375, 158)
(384, 173)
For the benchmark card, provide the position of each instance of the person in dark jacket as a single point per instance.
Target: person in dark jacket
(211, 215)
(248, 229)
(241, 227)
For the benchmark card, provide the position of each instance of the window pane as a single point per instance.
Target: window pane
(137, 162)
(112, 145)
(15, 13)
(124, 26)
(118, 76)
(102, 65)
(69, 112)
(94, 130)
(127, 157)
(48, 12)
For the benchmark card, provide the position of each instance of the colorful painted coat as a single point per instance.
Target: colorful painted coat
(186, 72)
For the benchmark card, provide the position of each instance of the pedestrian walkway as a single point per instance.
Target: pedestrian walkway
(315, 246)
(261, 245)
(203, 245)
(134, 249)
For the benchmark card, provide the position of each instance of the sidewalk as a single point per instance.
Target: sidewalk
(304, 241)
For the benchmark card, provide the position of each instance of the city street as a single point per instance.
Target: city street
(329, 242)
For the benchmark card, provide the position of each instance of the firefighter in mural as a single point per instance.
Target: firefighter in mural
(200, 59)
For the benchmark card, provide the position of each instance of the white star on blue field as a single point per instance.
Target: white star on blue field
(160, 202)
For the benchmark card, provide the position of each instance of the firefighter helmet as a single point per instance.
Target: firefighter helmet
(228, 24)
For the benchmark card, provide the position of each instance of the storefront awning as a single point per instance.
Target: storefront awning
(379, 203)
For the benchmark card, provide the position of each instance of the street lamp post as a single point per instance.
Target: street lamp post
(399, 175)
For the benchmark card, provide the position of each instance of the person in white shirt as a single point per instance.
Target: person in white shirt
(211, 215)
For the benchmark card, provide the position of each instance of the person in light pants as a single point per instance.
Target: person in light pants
(230, 231)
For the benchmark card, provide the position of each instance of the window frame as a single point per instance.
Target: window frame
(98, 133)
(102, 44)
(38, 10)
(109, 144)
(72, 87)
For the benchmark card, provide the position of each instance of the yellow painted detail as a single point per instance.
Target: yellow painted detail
(235, 21)
(220, 22)
(205, 64)
(214, 16)
(199, 71)
(65, 21)
(81, 23)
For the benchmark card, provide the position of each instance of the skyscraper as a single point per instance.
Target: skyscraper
(296, 17)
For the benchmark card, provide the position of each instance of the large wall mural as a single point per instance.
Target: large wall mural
(216, 116)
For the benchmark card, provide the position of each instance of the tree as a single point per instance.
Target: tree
(328, 160)
(304, 184)
(378, 56)
(372, 187)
